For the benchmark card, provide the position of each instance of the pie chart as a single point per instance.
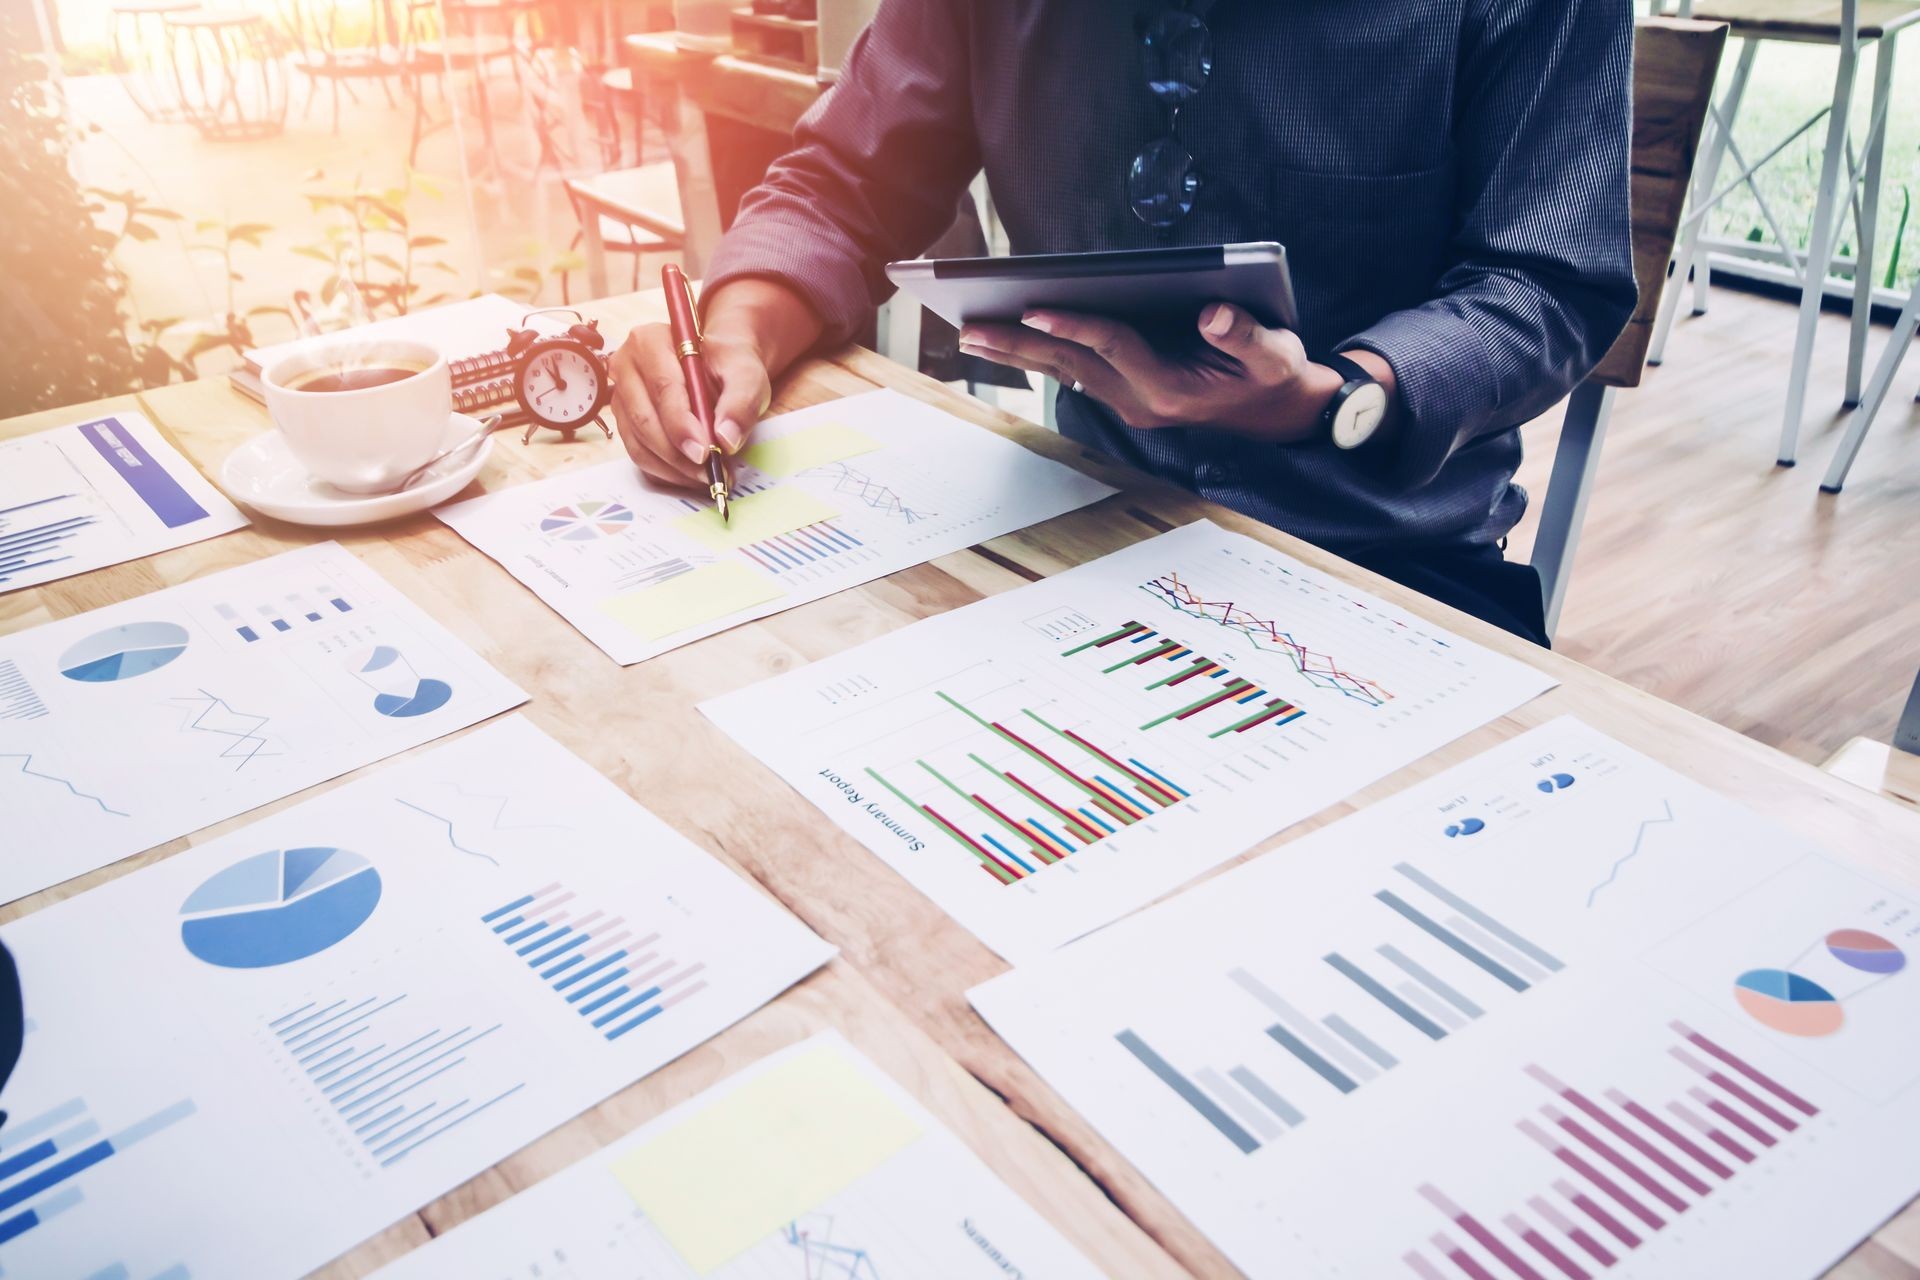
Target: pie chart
(279, 906)
(399, 691)
(1788, 1003)
(123, 652)
(585, 521)
(1867, 952)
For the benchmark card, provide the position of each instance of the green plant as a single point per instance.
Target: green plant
(62, 303)
(375, 261)
(1899, 236)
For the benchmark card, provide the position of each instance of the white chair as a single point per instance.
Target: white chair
(1849, 26)
(1873, 397)
(631, 211)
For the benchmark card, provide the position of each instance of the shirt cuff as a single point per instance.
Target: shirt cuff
(834, 289)
(1446, 386)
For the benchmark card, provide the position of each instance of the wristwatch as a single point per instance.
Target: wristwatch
(1357, 409)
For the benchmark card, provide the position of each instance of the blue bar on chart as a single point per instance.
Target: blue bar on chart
(370, 1061)
(594, 962)
(47, 1153)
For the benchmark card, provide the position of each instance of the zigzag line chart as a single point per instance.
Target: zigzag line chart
(26, 767)
(243, 728)
(870, 492)
(1318, 669)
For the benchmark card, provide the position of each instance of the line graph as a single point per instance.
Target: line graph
(1639, 838)
(821, 1257)
(215, 716)
(1318, 669)
(26, 767)
(870, 492)
(452, 838)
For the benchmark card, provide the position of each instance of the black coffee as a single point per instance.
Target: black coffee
(353, 379)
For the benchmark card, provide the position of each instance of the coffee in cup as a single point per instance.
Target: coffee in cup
(361, 414)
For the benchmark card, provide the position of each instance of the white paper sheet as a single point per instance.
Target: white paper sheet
(906, 1198)
(1024, 760)
(91, 494)
(152, 718)
(298, 1033)
(611, 554)
(1525, 1011)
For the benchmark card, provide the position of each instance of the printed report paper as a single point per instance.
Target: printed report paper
(1558, 1011)
(811, 1163)
(826, 498)
(85, 496)
(149, 719)
(1045, 761)
(248, 1057)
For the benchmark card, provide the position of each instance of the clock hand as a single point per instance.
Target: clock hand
(553, 369)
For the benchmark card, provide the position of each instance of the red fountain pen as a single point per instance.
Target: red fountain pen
(683, 319)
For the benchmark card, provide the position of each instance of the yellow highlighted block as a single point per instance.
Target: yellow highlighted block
(712, 591)
(756, 517)
(775, 1148)
(808, 447)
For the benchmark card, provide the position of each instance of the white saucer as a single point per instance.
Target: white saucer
(264, 474)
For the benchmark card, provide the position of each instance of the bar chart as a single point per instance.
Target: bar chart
(395, 1076)
(613, 974)
(1391, 993)
(39, 534)
(1075, 792)
(256, 620)
(44, 1157)
(1614, 1170)
(1135, 650)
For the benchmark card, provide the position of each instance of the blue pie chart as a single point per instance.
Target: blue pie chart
(123, 652)
(280, 906)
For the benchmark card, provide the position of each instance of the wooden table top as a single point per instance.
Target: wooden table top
(898, 990)
(753, 93)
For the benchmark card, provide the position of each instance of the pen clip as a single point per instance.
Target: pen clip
(693, 308)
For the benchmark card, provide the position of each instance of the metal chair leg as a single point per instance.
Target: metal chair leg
(1875, 396)
(1826, 221)
(1869, 218)
(1576, 461)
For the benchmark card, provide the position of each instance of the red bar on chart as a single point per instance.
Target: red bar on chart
(1748, 1070)
(1544, 1247)
(1700, 1155)
(1421, 1267)
(1460, 1257)
(1731, 1116)
(1733, 1087)
(1708, 1130)
(1572, 1159)
(1592, 1208)
(1571, 1230)
(1671, 1167)
(1593, 1142)
(1484, 1238)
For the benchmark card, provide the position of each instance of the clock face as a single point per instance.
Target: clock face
(560, 385)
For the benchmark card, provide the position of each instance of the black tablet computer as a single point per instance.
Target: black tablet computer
(1161, 291)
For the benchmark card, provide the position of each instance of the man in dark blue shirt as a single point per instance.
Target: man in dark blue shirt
(1450, 178)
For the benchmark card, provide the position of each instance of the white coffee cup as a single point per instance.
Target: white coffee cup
(365, 439)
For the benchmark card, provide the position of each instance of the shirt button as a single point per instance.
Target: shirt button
(1210, 473)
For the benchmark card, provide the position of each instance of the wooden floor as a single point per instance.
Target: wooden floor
(1716, 580)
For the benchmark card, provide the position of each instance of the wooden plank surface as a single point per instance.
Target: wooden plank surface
(1806, 19)
(899, 989)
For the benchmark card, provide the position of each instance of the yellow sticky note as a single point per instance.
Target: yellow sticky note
(775, 1148)
(712, 591)
(786, 455)
(755, 517)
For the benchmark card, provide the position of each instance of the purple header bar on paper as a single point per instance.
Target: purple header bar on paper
(147, 478)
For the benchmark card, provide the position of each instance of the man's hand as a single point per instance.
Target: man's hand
(754, 329)
(656, 419)
(1267, 388)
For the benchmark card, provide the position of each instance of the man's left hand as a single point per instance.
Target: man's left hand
(1268, 389)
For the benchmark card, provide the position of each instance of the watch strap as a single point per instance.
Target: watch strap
(1355, 377)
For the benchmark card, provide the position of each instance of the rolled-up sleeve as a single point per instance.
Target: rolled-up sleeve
(876, 172)
(1540, 279)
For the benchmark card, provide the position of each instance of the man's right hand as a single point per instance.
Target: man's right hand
(753, 329)
(656, 420)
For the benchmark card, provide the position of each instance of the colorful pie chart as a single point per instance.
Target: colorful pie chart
(1788, 1003)
(1867, 952)
(585, 521)
(280, 906)
(123, 652)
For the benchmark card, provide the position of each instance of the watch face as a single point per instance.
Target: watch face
(1359, 416)
(560, 385)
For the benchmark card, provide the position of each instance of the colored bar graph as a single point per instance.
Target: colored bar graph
(586, 958)
(1479, 1233)
(1188, 1092)
(1172, 664)
(1043, 810)
(1400, 1008)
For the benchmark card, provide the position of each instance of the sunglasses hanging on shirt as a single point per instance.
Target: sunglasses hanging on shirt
(1176, 55)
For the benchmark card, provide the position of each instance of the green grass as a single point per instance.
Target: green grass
(1791, 82)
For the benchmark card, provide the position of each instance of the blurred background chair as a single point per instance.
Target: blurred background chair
(629, 212)
(140, 55)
